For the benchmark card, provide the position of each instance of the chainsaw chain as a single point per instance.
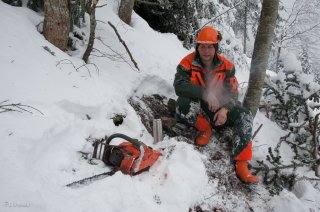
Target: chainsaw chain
(88, 180)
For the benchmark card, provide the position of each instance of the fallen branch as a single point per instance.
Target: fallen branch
(124, 44)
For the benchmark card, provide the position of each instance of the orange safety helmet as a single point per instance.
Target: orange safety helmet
(208, 35)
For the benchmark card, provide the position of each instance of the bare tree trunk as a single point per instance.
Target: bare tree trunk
(278, 54)
(125, 10)
(262, 47)
(56, 22)
(278, 59)
(93, 24)
(245, 29)
(315, 145)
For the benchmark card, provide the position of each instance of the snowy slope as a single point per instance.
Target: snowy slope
(39, 154)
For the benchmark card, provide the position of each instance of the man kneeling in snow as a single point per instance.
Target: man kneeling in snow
(208, 91)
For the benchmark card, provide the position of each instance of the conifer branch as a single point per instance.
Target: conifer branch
(214, 19)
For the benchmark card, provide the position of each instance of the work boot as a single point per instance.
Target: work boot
(244, 173)
(204, 127)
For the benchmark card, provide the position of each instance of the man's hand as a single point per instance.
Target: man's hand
(220, 117)
(213, 102)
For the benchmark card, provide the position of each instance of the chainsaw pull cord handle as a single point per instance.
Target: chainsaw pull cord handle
(135, 142)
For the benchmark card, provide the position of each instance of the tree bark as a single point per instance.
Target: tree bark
(245, 29)
(56, 22)
(125, 10)
(315, 145)
(278, 59)
(261, 51)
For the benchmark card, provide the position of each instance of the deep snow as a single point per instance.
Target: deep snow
(39, 154)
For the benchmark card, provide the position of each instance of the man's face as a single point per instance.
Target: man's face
(206, 52)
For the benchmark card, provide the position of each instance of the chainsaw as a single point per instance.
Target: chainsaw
(130, 157)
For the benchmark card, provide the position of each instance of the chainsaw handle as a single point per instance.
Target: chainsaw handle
(135, 142)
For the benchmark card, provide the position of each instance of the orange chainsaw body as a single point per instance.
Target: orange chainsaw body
(130, 157)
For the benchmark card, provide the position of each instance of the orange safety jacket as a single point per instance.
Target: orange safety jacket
(191, 75)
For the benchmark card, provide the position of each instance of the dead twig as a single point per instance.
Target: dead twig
(148, 3)
(66, 61)
(124, 44)
(117, 56)
(101, 21)
(16, 107)
(256, 132)
(101, 5)
(114, 57)
(38, 27)
(308, 178)
(85, 65)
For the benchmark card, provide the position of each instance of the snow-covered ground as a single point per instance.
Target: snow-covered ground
(39, 153)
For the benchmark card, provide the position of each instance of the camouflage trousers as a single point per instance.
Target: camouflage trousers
(239, 119)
